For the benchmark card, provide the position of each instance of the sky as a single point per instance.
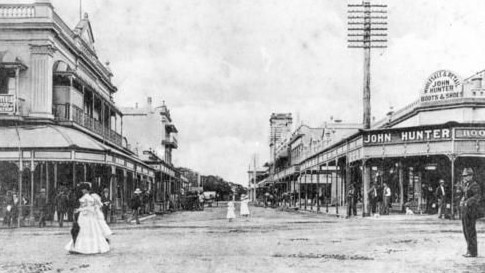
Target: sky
(223, 66)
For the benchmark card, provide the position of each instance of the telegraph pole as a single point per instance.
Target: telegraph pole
(367, 26)
(367, 29)
(253, 197)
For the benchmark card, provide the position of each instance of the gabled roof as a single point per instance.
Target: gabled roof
(83, 29)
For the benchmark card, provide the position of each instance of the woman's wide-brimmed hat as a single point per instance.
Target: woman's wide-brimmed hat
(137, 190)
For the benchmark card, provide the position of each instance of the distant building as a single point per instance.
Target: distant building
(280, 126)
(154, 137)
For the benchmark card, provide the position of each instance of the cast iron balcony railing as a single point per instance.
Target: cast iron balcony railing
(62, 112)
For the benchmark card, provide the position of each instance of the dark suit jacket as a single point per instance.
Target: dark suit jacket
(439, 193)
(105, 200)
(472, 194)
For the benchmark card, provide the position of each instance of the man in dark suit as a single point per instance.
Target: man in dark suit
(441, 196)
(106, 200)
(372, 193)
(62, 203)
(351, 201)
(472, 195)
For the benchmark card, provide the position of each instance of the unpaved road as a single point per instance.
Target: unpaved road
(271, 241)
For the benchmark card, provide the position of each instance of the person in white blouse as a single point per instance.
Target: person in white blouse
(387, 199)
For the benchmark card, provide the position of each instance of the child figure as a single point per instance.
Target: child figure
(230, 211)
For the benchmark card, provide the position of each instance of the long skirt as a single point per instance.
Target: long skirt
(91, 238)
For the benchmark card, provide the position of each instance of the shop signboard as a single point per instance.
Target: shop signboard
(470, 133)
(440, 86)
(409, 135)
(7, 103)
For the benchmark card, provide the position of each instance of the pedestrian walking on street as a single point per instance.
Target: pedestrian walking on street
(230, 211)
(441, 197)
(62, 204)
(387, 199)
(351, 201)
(135, 206)
(90, 239)
(201, 201)
(106, 200)
(472, 195)
(43, 207)
(244, 206)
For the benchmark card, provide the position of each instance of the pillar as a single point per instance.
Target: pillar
(73, 174)
(41, 70)
(20, 174)
(32, 170)
(452, 161)
(401, 184)
(337, 183)
(326, 185)
(366, 177)
(318, 189)
(47, 182)
(299, 189)
(55, 175)
(85, 172)
(123, 194)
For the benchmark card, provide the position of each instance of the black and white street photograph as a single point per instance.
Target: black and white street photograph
(227, 136)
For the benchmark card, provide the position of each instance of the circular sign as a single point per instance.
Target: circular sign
(442, 85)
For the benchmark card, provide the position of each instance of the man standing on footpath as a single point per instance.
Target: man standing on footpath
(387, 199)
(441, 196)
(373, 194)
(351, 201)
(135, 206)
(472, 195)
(106, 200)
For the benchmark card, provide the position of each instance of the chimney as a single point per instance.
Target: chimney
(136, 105)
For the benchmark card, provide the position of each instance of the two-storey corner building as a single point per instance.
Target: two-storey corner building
(153, 136)
(433, 138)
(59, 124)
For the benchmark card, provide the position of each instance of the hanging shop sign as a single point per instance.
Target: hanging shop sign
(470, 133)
(442, 85)
(7, 103)
(409, 135)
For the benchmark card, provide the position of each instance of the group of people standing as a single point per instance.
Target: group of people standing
(244, 210)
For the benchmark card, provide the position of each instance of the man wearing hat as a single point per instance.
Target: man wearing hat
(135, 204)
(106, 200)
(469, 204)
(351, 201)
(441, 196)
(42, 206)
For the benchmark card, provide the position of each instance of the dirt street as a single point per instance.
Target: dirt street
(270, 241)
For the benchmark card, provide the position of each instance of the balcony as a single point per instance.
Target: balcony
(62, 112)
(170, 141)
(11, 107)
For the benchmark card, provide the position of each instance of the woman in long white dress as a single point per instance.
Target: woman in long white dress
(91, 238)
(230, 211)
(102, 222)
(244, 206)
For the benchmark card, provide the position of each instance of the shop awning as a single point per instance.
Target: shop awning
(46, 136)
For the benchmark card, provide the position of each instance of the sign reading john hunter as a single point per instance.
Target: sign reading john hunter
(407, 135)
(442, 85)
(7, 104)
